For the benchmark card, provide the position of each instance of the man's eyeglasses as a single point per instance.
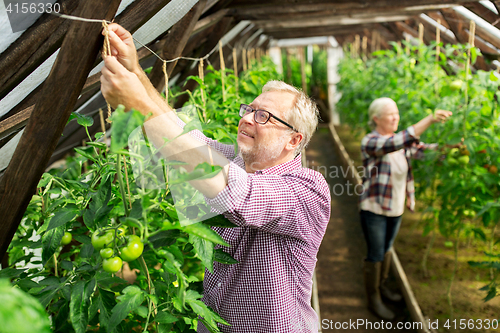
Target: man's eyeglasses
(261, 116)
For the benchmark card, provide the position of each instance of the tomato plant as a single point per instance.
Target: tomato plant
(112, 218)
(458, 192)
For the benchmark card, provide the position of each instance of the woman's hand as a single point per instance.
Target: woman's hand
(441, 116)
(123, 48)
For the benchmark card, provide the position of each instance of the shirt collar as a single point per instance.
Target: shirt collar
(283, 168)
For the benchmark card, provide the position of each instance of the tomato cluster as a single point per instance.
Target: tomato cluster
(458, 156)
(115, 247)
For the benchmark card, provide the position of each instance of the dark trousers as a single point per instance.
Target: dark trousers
(380, 232)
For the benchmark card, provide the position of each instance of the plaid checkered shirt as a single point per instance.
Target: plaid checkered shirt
(376, 163)
(282, 214)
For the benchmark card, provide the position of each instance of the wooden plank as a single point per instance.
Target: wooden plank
(328, 21)
(483, 12)
(316, 31)
(488, 36)
(301, 11)
(174, 43)
(14, 123)
(50, 115)
(33, 47)
(210, 20)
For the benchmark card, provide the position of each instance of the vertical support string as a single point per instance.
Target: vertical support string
(421, 33)
(244, 59)
(164, 68)
(106, 52)
(438, 39)
(235, 66)
(222, 71)
(201, 74)
(472, 32)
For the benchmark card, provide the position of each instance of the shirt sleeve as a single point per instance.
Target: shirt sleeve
(225, 149)
(417, 150)
(377, 145)
(288, 205)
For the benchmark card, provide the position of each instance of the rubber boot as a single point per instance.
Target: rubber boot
(384, 290)
(372, 284)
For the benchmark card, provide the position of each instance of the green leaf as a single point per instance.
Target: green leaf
(124, 123)
(51, 240)
(224, 257)
(78, 307)
(85, 154)
(208, 315)
(201, 230)
(98, 208)
(63, 216)
(164, 238)
(82, 119)
(106, 302)
(479, 233)
(493, 77)
(164, 317)
(131, 298)
(10, 272)
(205, 251)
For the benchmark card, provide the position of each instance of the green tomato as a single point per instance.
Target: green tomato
(455, 152)
(456, 85)
(464, 159)
(451, 160)
(106, 253)
(112, 265)
(473, 199)
(66, 239)
(100, 241)
(133, 250)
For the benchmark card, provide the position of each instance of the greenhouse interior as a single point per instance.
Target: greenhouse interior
(249, 166)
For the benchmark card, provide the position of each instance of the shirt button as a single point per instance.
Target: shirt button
(219, 284)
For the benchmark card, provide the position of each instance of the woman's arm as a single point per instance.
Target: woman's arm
(438, 116)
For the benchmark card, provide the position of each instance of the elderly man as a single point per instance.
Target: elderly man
(281, 209)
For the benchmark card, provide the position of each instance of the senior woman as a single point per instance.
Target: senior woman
(388, 182)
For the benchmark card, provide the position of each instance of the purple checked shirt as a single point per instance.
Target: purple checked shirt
(282, 213)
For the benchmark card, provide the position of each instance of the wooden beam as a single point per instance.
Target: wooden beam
(42, 39)
(302, 11)
(33, 47)
(492, 38)
(328, 21)
(39, 139)
(483, 12)
(316, 31)
(210, 20)
(174, 43)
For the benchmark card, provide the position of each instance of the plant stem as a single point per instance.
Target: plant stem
(120, 182)
(427, 252)
(491, 243)
(448, 295)
(55, 266)
(126, 179)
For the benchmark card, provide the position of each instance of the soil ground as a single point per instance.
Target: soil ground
(339, 274)
(339, 268)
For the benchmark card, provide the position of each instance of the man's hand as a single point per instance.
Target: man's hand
(123, 48)
(440, 116)
(119, 86)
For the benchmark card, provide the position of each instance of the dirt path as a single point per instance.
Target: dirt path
(339, 268)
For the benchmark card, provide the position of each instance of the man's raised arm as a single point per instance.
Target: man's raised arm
(124, 82)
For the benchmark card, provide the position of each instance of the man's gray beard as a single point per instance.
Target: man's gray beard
(255, 156)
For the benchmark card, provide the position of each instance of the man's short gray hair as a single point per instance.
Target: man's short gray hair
(303, 115)
(375, 109)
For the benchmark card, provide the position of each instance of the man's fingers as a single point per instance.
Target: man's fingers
(113, 65)
(120, 32)
(117, 44)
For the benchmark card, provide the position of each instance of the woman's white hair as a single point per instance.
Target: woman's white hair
(376, 108)
(303, 115)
